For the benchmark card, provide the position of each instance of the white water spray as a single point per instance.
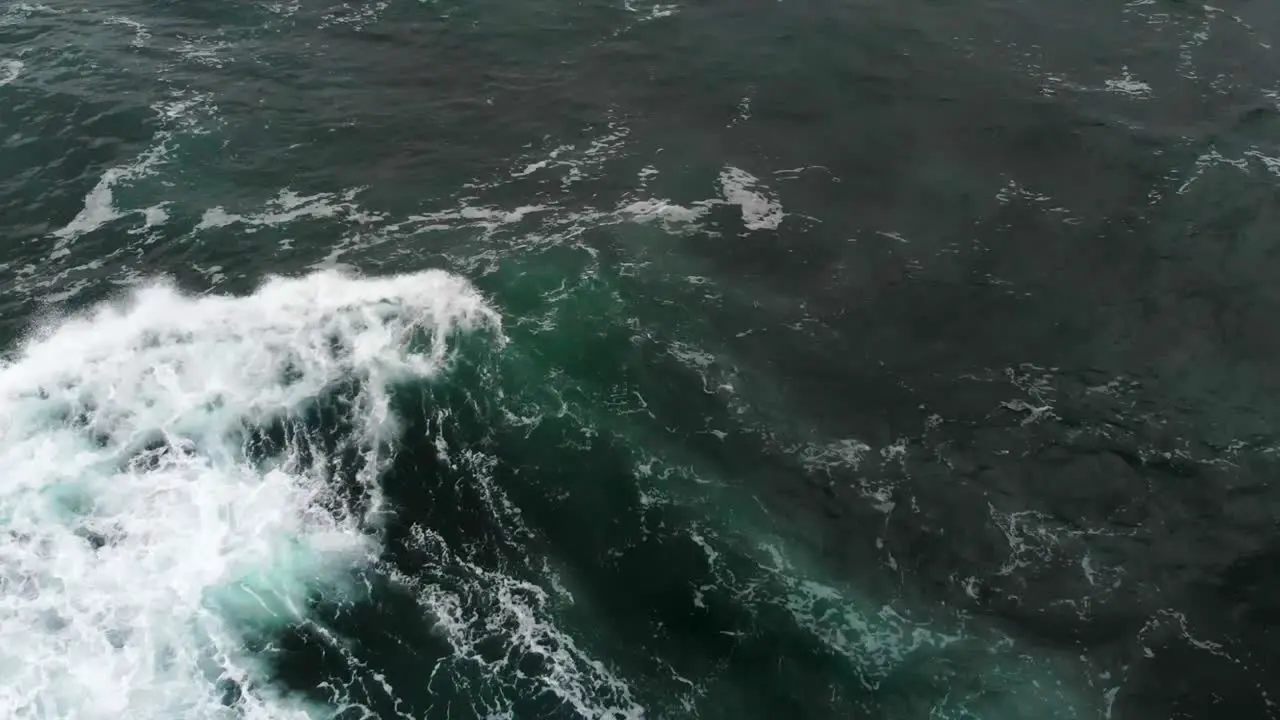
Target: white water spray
(138, 538)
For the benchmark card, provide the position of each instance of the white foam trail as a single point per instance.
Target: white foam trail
(141, 34)
(288, 206)
(759, 211)
(20, 12)
(669, 214)
(140, 539)
(9, 71)
(176, 115)
(99, 205)
(650, 11)
(482, 605)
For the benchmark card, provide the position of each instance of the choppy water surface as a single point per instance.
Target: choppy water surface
(622, 359)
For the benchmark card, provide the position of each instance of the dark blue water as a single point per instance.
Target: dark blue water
(639, 360)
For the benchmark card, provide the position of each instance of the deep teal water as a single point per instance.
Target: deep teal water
(855, 360)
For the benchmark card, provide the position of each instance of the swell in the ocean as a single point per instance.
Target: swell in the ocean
(346, 497)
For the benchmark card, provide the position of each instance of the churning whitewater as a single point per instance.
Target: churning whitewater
(165, 499)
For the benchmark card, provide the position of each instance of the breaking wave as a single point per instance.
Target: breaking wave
(168, 495)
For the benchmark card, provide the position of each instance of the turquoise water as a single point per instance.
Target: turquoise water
(638, 360)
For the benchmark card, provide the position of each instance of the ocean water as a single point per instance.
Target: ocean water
(621, 359)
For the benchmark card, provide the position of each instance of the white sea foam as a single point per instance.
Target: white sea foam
(9, 70)
(141, 34)
(650, 11)
(178, 114)
(484, 605)
(202, 51)
(99, 205)
(759, 211)
(288, 206)
(141, 538)
(1127, 84)
(20, 12)
(665, 212)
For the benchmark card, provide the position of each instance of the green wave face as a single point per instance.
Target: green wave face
(589, 525)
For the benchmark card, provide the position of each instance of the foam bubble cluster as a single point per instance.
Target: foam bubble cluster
(143, 535)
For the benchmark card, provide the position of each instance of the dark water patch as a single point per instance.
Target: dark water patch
(1095, 513)
(394, 645)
